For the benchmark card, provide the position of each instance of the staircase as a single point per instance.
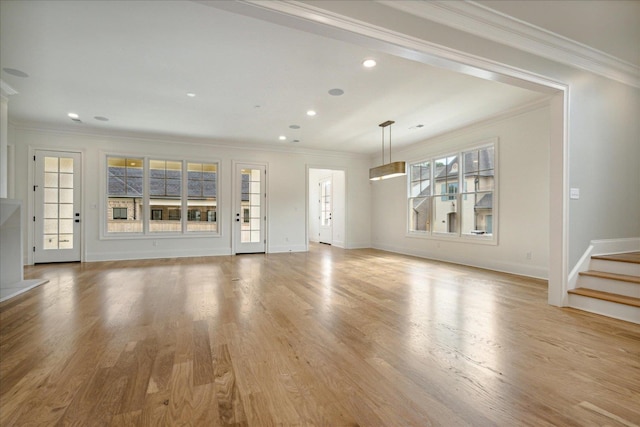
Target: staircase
(610, 287)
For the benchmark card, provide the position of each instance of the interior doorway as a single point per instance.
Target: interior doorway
(327, 206)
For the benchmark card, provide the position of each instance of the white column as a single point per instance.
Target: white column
(3, 145)
(5, 92)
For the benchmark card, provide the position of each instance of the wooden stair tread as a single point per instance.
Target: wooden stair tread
(607, 296)
(612, 276)
(632, 257)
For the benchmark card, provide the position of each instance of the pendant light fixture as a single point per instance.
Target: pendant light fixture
(391, 169)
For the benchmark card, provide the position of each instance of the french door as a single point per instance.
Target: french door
(326, 211)
(249, 220)
(57, 206)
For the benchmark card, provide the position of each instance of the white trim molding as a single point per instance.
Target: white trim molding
(487, 23)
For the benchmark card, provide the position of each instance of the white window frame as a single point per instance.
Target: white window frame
(458, 235)
(146, 212)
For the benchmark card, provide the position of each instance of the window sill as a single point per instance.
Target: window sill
(158, 235)
(460, 238)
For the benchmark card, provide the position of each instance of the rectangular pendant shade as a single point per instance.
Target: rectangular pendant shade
(389, 170)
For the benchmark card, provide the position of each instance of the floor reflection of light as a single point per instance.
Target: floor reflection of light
(327, 282)
(445, 315)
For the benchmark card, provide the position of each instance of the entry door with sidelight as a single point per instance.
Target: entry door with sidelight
(250, 213)
(57, 206)
(326, 212)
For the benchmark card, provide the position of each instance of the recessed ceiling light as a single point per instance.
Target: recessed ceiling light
(14, 72)
(336, 92)
(282, 137)
(294, 127)
(73, 115)
(311, 113)
(191, 94)
(369, 63)
(101, 118)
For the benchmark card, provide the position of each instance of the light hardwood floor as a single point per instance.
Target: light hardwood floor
(326, 338)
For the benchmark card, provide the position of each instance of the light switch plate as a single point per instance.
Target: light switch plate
(574, 193)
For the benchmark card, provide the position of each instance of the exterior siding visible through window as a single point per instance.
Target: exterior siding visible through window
(124, 191)
(436, 206)
(127, 196)
(202, 203)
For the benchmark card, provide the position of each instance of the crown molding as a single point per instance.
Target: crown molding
(481, 21)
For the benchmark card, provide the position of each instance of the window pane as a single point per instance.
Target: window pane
(51, 164)
(66, 180)
(66, 241)
(486, 158)
(471, 162)
(50, 241)
(420, 214)
(132, 222)
(165, 191)
(420, 179)
(66, 210)
(51, 195)
(202, 215)
(66, 196)
(66, 165)
(50, 180)
(477, 213)
(202, 200)
(124, 189)
(50, 210)
(66, 226)
(445, 215)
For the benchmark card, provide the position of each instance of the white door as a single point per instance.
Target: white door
(326, 211)
(57, 206)
(249, 218)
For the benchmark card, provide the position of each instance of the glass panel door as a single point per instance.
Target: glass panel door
(249, 218)
(326, 211)
(57, 207)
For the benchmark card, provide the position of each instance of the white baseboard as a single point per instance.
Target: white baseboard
(533, 271)
(285, 249)
(156, 254)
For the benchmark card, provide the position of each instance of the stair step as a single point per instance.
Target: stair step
(611, 276)
(607, 296)
(631, 257)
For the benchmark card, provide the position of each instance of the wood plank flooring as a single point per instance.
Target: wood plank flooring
(324, 338)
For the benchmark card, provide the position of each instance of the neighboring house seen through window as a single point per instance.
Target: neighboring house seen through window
(453, 195)
(150, 196)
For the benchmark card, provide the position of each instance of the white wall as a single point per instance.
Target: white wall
(523, 194)
(286, 202)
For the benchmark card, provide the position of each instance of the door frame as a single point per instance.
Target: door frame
(31, 199)
(345, 241)
(234, 201)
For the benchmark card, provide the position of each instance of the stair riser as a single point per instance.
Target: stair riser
(609, 285)
(615, 267)
(605, 308)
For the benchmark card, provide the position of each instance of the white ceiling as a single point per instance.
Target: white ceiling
(133, 62)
